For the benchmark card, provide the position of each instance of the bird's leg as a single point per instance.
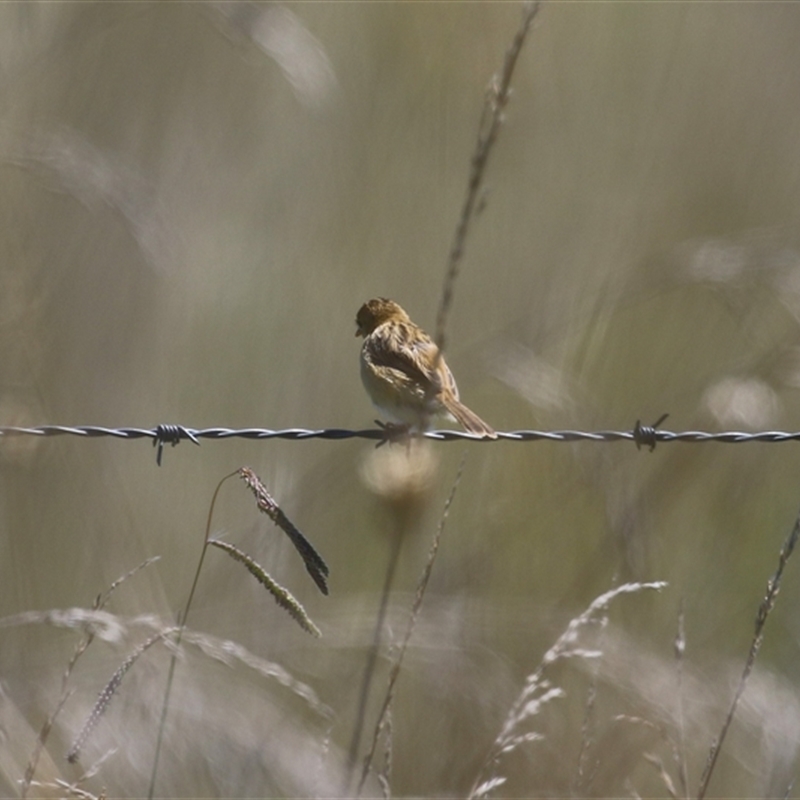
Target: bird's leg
(394, 433)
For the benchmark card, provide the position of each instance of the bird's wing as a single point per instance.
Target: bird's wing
(409, 350)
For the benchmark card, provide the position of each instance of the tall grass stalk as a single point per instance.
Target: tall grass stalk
(100, 602)
(422, 585)
(767, 604)
(538, 691)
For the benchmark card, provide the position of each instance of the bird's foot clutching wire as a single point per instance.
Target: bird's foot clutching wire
(394, 433)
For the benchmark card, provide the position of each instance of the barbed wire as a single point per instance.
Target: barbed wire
(641, 435)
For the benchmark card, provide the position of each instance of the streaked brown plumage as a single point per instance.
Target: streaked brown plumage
(400, 372)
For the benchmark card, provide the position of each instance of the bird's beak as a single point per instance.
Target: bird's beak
(358, 332)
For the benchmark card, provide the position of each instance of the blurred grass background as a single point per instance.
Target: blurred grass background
(197, 197)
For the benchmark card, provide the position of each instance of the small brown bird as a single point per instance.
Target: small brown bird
(402, 374)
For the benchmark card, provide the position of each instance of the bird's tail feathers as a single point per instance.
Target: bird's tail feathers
(469, 420)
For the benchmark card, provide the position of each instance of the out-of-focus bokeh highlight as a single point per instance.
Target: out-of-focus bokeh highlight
(197, 197)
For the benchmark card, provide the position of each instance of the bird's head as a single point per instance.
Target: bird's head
(377, 311)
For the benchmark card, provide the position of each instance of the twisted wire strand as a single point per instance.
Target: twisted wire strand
(172, 434)
(642, 435)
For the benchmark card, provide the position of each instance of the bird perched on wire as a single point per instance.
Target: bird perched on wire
(403, 373)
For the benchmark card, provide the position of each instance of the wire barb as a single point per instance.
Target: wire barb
(170, 434)
(647, 434)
